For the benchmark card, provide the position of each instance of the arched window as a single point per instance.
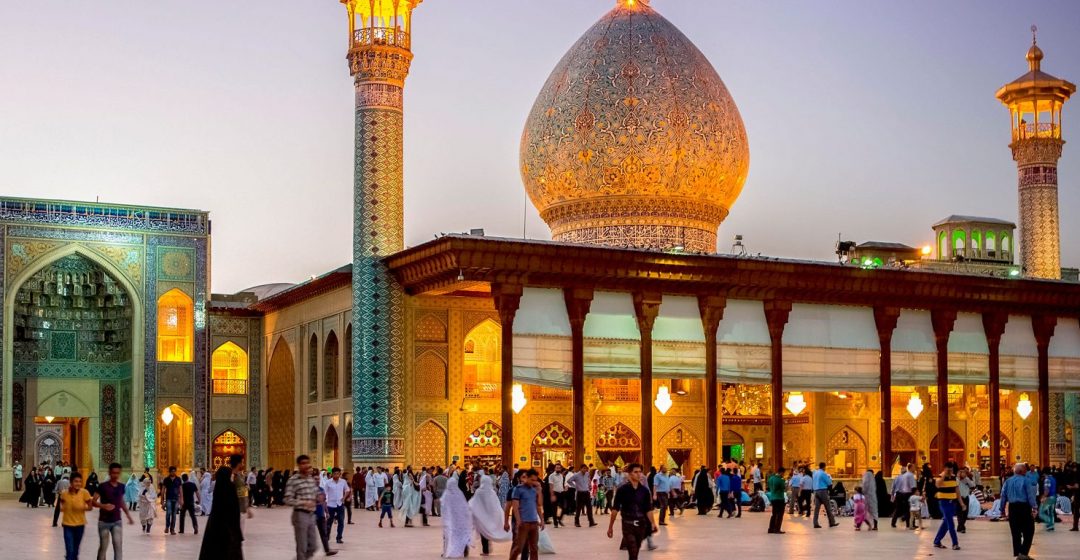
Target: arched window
(229, 365)
(348, 362)
(330, 367)
(175, 327)
(482, 372)
(313, 440)
(990, 245)
(959, 238)
(976, 243)
(313, 370)
(1006, 247)
(943, 246)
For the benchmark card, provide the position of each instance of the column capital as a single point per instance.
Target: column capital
(994, 326)
(777, 312)
(507, 298)
(712, 312)
(885, 318)
(943, 321)
(1044, 326)
(646, 308)
(578, 302)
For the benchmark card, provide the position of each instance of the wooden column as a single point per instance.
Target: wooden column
(1043, 325)
(507, 299)
(776, 315)
(578, 302)
(994, 327)
(943, 321)
(885, 318)
(712, 311)
(646, 308)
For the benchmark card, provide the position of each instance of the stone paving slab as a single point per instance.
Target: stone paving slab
(27, 534)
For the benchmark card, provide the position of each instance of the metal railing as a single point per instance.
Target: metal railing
(615, 391)
(382, 36)
(230, 386)
(1042, 130)
(479, 390)
(540, 393)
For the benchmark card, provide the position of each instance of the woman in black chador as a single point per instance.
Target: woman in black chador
(703, 494)
(222, 538)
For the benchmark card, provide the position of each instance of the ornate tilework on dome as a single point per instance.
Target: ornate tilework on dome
(634, 140)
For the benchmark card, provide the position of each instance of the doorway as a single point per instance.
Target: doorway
(63, 439)
(734, 452)
(176, 439)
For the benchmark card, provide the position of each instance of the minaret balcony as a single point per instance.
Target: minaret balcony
(1038, 130)
(381, 37)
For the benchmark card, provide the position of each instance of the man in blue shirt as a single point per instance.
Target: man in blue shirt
(526, 514)
(1018, 495)
(793, 490)
(736, 492)
(822, 484)
(723, 491)
(661, 487)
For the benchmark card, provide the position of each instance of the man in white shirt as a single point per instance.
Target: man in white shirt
(581, 485)
(902, 488)
(557, 486)
(337, 490)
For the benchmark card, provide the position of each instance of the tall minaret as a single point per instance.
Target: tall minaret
(379, 58)
(1034, 101)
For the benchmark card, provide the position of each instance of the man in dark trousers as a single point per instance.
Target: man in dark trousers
(634, 501)
(170, 498)
(580, 483)
(777, 488)
(1019, 497)
(189, 492)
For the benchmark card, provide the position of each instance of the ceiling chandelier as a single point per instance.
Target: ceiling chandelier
(1024, 408)
(663, 399)
(167, 416)
(914, 405)
(795, 403)
(517, 398)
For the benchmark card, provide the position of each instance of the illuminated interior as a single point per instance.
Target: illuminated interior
(176, 438)
(230, 370)
(482, 371)
(175, 328)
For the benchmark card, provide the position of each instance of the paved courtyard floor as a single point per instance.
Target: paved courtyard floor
(27, 534)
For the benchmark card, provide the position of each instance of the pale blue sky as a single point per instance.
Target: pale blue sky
(873, 118)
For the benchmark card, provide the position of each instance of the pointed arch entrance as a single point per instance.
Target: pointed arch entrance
(954, 450)
(330, 453)
(176, 439)
(904, 450)
(554, 444)
(85, 280)
(281, 407)
(683, 450)
(484, 445)
(846, 452)
(619, 445)
(224, 446)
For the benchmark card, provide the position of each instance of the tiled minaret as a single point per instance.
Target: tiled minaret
(379, 58)
(1035, 101)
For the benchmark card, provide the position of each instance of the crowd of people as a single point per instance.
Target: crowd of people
(516, 505)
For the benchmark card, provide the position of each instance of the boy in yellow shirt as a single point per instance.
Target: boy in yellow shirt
(74, 503)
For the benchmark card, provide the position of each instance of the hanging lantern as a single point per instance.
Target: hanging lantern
(663, 399)
(795, 403)
(914, 405)
(517, 398)
(167, 416)
(1024, 408)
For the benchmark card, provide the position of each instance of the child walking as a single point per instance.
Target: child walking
(386, 501)
(915, 510)
(859, 503)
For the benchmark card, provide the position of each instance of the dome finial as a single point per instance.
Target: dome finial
(631, 3)
(1034, 54)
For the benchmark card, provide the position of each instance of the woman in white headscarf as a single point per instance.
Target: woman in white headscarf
(206, 493)
(371, 489)
(410, 498)
(487, 514)
(869, 489)
(456, 520)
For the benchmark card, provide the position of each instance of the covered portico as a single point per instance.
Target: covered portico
(859, 346)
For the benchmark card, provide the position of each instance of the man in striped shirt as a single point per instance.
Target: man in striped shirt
(302, 493)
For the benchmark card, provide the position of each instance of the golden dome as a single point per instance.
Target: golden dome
(634, 141)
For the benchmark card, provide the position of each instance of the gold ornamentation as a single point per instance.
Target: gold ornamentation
(127, 258)
(643, 150)
(429, 445)
(20, 253)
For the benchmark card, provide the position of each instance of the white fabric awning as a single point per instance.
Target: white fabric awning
(611, 315)
(831, 326)
(679, 319)
(914, 333)
(968, 335)
(542, 311)
(744, 323)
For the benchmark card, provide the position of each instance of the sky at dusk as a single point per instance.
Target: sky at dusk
(870, 118)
